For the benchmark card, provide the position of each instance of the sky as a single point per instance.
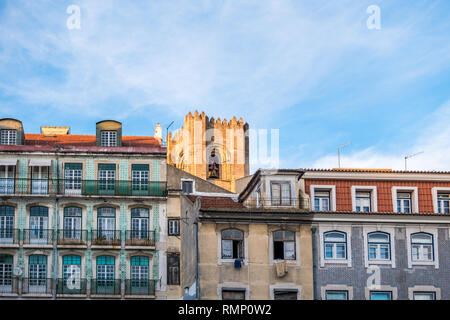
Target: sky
(311, 69)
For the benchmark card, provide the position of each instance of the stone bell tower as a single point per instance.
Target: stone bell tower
(214, 150)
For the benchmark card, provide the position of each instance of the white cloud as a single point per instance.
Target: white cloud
(432, 138)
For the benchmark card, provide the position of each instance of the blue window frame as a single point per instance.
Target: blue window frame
(380, 295)
(422, 247)
(379, 246)
(336, 295)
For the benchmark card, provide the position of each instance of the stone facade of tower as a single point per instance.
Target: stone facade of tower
(215, 150)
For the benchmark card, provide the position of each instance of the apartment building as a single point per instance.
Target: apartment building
(379, 234)
(82, 216)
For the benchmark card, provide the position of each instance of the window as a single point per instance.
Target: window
(7, 174)
(422, 247)
(139, 223)
(39, 225)
(6, 267)
(281, 294)
(106, 177)
(322, 200)
(174, 227)
(106, 223)
(404, 202)
(284, 245)
(8, 137)
(72, 223)
(140, 177)
(280, 193)
(424, 295)
(443, 202)
(139, 275)
(213, 165)
(6, 224)
(232, 244)
(336, 295)
(379, 246)
(380, 295)
(335, 243)
(173, 269)
(109, 138)
(73, 173)
(39, 179)
(105, 274)
(37, 265)
(229, 294)
(187, 187)
(363, 201)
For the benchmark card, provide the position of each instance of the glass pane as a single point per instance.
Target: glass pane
(336, 295)
(289, 250)
(227, 249)
(424, 296)
(380, 296)
(340, 251)
(328, 251)
(378, 237)
(334, 236)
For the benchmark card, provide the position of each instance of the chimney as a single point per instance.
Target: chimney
(158, 132)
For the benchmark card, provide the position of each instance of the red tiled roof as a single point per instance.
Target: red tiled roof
(216, 202)
(86, 140)
(369, 170)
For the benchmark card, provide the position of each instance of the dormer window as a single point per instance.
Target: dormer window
(8, 137)
(108, 138)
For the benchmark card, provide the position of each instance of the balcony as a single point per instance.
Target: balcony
(8, 286)
(71, 237)
(106, 237)
(109, 287)
(71, 286)
(140, 287)
(25, 186)
(37, 286)
(276, 203)
(9, 236)
(140, 238)
(38, 236)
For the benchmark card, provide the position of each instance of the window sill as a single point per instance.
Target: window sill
(244, 261)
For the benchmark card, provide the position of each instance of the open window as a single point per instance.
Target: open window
(232, 244)
(283, 245)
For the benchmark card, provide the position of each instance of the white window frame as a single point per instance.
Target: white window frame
(385, 229)
(373, 196)
(10, 133)
(330, 188)
(411, 290)
(430, 230)
(188, 180)
(169, 220)
(220, 260)
(348, 230)
(297, 248)
(414, 197)
(434, 192)
(336, 287)
(109, 135)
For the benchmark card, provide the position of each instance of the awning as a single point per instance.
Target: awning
(8, 162)
(40, 163)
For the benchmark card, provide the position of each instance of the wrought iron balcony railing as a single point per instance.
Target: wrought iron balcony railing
(106, 237)
(38, 236)
(8, 285)
(277, 203)
(37, 286)
(140, 238)
(9, 236)
(26, 186)
(72, 237)
(105, 287)
(140, 287)
(71, 286)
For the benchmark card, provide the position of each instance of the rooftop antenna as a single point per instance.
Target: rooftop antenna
(410, 156)
(339, 152)
(167, 130)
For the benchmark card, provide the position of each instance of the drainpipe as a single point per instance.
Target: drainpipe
(55, 245)
(314, 257)
(197, 288)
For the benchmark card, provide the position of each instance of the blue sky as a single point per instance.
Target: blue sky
(311, 69)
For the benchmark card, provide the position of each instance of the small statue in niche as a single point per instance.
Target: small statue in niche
(213, 165)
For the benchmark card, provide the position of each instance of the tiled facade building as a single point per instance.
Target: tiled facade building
(82, 216)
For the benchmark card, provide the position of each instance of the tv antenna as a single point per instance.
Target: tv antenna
(339, 152)
(410, 156)
(167, 130)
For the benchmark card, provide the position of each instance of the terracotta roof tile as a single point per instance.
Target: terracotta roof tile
(86, 140)
(216, 202)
